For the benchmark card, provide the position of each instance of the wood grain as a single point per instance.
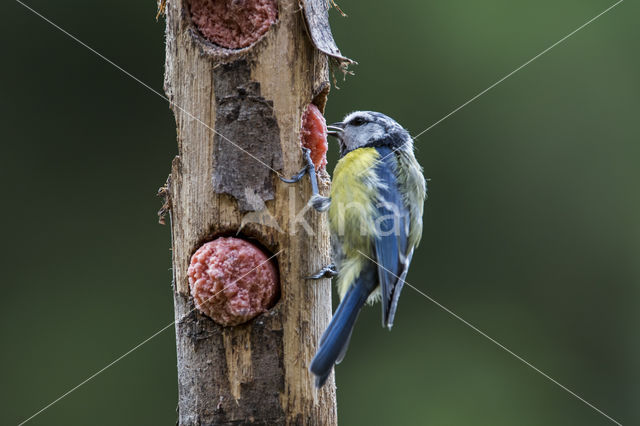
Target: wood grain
(254, 373)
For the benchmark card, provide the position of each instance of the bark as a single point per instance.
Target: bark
(252, 98)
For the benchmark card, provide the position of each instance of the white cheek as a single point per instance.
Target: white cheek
(370, 133)
(376, 134)
(360, 136)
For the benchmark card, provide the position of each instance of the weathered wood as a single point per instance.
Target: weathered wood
(255, 372)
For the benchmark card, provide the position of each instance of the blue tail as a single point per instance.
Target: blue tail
(335, 339)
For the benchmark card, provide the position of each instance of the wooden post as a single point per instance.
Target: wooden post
(238, 115)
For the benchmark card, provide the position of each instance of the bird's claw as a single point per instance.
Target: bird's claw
(295, 178)
(328, 271)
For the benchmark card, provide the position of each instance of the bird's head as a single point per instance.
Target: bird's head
(369, 129)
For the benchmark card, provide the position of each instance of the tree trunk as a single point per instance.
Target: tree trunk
(238, 115)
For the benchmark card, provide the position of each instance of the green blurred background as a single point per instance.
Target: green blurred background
(532, 228)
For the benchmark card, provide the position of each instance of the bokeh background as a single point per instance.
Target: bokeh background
(532, 227)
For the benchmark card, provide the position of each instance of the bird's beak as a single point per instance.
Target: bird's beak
(335, 129)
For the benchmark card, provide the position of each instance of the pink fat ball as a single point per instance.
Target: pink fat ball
(232, 281)
(231, 23)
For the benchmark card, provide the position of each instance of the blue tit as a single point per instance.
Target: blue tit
(375, 216)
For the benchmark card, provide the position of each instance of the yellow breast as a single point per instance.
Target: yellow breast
(351, 214)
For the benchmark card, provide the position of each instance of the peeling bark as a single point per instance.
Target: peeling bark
(247, 119)
(317, 17)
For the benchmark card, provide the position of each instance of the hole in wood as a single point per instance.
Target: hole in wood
(233, 24)
(233, 280)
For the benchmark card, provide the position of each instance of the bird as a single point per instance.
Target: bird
(375, 211)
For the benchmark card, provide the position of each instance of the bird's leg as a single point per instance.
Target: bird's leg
(328, 271)
(317, 201)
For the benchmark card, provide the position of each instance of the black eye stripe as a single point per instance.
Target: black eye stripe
(357, 121)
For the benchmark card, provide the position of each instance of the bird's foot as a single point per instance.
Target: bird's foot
(328, 271)
(319, 202)
(316, 201)
(295, 178)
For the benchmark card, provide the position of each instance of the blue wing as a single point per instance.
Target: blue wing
(391, 244)
(335, 340)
